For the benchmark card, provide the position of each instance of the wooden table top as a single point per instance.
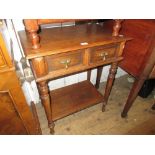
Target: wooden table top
(63, 39)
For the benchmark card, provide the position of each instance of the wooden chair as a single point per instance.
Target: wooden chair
(139, 55)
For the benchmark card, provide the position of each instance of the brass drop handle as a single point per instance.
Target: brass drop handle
(104, 55)
(66, 62)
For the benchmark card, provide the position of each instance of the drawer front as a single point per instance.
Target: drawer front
(65, 61)
(102, 53)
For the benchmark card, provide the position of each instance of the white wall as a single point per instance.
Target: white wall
(31, 91)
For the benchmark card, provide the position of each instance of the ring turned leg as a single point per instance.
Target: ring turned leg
(109, 84)
(116, 27)
(132, 96)
(34, 39)
(32, 27)
(45, 98)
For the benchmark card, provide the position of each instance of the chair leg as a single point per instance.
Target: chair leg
(132, 96)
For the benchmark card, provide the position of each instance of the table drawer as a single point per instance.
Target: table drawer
(65, 61)
(102, 53)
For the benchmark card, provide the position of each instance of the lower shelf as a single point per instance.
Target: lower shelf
(73, 98)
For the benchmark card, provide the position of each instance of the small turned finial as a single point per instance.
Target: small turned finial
(116, 27)
(35, 39)
(32, 27)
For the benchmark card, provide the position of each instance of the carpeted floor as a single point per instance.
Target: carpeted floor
(92, 121)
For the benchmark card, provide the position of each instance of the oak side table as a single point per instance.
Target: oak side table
(62, 51)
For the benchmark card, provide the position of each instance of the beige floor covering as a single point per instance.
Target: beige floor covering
(91, 121)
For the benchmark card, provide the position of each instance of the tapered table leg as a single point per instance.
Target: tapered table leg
(98, 78)
(45, 98)
(132, 96)
(89, 74)
(109, 84)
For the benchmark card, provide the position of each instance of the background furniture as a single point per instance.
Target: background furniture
(15, 114)
(139, 54)
(62, 51)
